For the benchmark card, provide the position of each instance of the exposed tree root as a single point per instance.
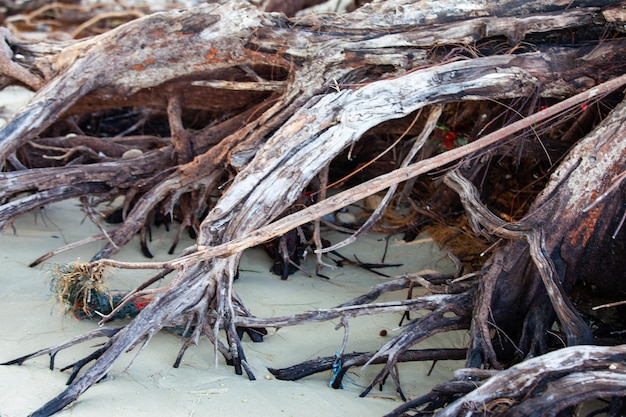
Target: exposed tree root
(304, 369)
(242, 110)
(545, 385)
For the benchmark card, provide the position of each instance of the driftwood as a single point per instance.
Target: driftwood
(249, 108)
(566, 376)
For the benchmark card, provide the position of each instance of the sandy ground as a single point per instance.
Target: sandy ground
(30, 320)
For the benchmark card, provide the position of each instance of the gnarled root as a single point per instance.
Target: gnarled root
(545, 385)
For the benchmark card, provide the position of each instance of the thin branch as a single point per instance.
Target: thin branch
(428, 302)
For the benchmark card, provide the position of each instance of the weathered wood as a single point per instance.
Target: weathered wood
(343, 199)
(546, 385)
(597, 370)
(293, 373)
(151, 69)
(292, 95)
(577, 331)
(570, 243)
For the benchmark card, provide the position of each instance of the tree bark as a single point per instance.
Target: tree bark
(510, 293)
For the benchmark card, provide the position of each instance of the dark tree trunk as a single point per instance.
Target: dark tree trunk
(579, 229)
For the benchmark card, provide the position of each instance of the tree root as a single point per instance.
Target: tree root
(52, 351)
(304, 369)
(545, 385)
(199, 320)
(292, 95)
(577, 331)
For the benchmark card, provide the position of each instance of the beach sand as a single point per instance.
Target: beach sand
(30, 320)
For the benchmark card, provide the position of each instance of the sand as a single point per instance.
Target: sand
(30, 320)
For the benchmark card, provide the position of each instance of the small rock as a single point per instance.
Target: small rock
(345, 218)
(132, 153)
